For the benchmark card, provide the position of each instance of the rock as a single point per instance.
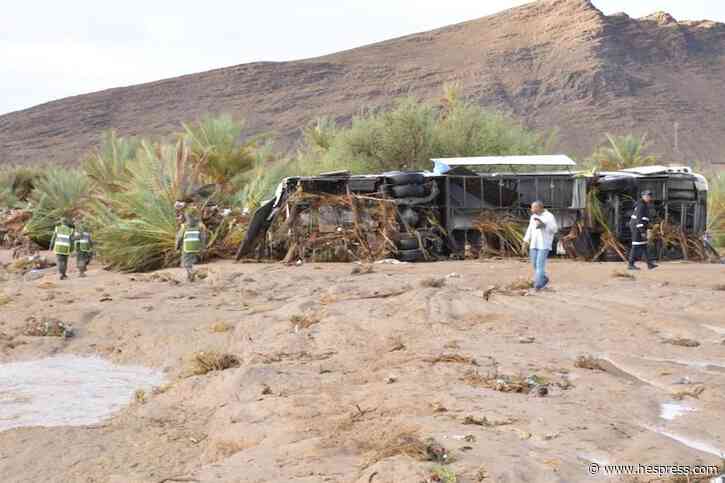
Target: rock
(541, 391)
(34, 275)
(682, 342)
(527, 339)
(686, 381)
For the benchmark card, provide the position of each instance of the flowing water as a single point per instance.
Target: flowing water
(67, 390)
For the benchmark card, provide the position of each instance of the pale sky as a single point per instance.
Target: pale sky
(51, 49)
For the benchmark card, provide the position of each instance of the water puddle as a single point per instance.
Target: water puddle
(672, 410)
(612, 368)
(691, 443)
(719, 330)
(704, 365)
(619, 370)
(67, 390)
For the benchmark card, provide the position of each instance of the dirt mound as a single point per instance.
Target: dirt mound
(550, 63)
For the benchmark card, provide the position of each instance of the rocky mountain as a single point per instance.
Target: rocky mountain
(552, 64)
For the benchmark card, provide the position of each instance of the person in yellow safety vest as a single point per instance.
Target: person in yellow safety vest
(62, 245)
(191, 240)
(83, 245)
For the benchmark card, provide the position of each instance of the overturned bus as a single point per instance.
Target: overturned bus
(465, 208)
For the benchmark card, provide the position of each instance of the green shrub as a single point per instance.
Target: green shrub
(7, 195)
(716, 207)
(411, 133)
(215, 144)
(107, 167)
(135, 227)
(260, 184)
(139, 242)
(17, 183)
(60, 192)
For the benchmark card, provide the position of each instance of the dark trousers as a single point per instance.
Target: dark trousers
(62, 261)
(188, 260)
(637, 252)
(82, 261)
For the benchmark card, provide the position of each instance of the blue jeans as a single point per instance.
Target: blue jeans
(538, 258)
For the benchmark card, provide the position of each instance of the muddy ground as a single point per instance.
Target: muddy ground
(341, 378)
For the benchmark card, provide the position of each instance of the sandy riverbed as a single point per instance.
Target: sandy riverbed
(319, 403)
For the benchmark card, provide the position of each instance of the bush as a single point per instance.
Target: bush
(259, 185)
(60, 193)
(410, 134)
(17, 183)
(136, 225)
(716, 208)
(107, 167)
(144, 241)
(215, 144)
(7, 197)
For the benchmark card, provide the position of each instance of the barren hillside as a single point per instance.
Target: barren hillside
(552, 63)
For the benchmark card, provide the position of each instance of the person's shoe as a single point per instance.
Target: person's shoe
(632, 267)
(652, 266)
(63, 277)
(82, 275)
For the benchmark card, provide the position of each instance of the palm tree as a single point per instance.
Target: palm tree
(107, 167)
(215, 144)
(61, 192)
(622, 152)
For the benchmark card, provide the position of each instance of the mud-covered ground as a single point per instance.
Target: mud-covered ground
(341, 374)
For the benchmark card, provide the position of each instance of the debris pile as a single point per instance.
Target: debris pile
(205, 362)
(408, 443)
(508, 383)
(47, 328)
(339, 218)
(12, 235)
(502, 233)
(326, 228)
(26, 264)
(671, 241)
(588, 362)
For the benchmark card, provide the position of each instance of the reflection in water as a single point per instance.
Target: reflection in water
(67, 390)
(671, 410)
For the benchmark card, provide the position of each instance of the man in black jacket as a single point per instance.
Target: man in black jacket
(638, 224)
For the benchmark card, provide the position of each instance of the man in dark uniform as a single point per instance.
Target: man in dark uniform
(638, 224)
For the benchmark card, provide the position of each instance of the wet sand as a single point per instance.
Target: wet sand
(316, 403)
